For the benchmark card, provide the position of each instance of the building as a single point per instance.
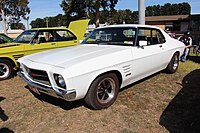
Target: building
(13, 33)
(178, 24)
(172, 23)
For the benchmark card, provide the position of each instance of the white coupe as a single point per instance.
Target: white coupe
(110, 58)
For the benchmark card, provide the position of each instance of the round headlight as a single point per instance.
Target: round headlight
(60, 81)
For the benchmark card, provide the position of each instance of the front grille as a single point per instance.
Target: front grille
(38, 75)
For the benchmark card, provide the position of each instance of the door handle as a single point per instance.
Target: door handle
(160, 46)
(53, 44)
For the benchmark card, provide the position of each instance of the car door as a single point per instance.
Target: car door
(148, 54)
(40, 42)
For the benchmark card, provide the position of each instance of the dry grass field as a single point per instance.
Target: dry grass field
(161, 103)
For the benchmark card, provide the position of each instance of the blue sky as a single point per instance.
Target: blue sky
(43, 8)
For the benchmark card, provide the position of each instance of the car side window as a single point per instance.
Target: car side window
(157, 37)
(144, 35)
(43, 36)
(63, 35)
(152, 36)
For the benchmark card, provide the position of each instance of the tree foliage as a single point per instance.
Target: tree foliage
(57, 21)
(169, 9)
(17, 26)
(11, 11)
(76, 9)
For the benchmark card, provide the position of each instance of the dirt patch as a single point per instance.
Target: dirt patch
(160, 103)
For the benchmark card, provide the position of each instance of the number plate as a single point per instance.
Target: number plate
(34, 89)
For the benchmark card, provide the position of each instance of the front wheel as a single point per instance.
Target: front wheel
(173, 64)
(6, 70)
(103, 91)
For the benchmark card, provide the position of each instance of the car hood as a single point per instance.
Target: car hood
(69, 56)
(79, 28)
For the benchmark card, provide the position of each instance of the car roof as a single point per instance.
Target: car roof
(130, 25)
(54, 28)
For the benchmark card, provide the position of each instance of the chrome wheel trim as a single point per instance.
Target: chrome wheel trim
(106, 90)
(175, 62)
(4, 70)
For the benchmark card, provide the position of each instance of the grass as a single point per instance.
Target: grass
(161, 103)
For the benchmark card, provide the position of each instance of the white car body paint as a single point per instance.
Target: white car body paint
(81, 65)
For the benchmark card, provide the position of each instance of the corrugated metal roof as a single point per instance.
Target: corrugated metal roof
(166, 18)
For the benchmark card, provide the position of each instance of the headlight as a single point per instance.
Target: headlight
(59, 81)
(20, 66)
(24, 68)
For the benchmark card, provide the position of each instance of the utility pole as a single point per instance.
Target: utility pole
(141, 8)
(47, 22)
(27, 23)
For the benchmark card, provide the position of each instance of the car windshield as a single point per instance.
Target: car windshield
(5, 39)
(26, 36)
(112, 36)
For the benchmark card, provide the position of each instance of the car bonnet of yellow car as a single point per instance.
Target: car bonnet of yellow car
(79, 28)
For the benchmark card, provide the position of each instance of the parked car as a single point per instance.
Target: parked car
(110, 58)
(5, 39)
(37, 40)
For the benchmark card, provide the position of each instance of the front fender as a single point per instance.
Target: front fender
(11, 59)
(83, 82)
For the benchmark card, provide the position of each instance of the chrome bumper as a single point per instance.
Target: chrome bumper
(68, 95)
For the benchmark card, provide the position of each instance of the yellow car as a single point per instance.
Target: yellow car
(36, 40)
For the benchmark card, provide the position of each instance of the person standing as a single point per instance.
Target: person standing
(187, 40)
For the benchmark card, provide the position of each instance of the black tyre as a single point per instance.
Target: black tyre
(173, 64)
(194, 48)
(198, 51)
(103, 91)
(6, 70)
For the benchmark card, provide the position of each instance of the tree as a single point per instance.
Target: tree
(38, 23)
(135, 16)
(84, 8)
(11, 11)
(17, 26)
(56, 21)
(184, 8)
(74, 9)
(168, 9)
(154, 10)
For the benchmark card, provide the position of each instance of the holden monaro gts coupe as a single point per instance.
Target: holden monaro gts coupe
(110, 58)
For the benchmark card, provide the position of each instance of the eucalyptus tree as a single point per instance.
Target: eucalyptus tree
(12, 11)
(83, 8)
(168, 9)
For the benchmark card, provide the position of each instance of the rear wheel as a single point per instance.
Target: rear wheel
(173, 64)
(198, 51)
(6, 69)
(103, 91)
